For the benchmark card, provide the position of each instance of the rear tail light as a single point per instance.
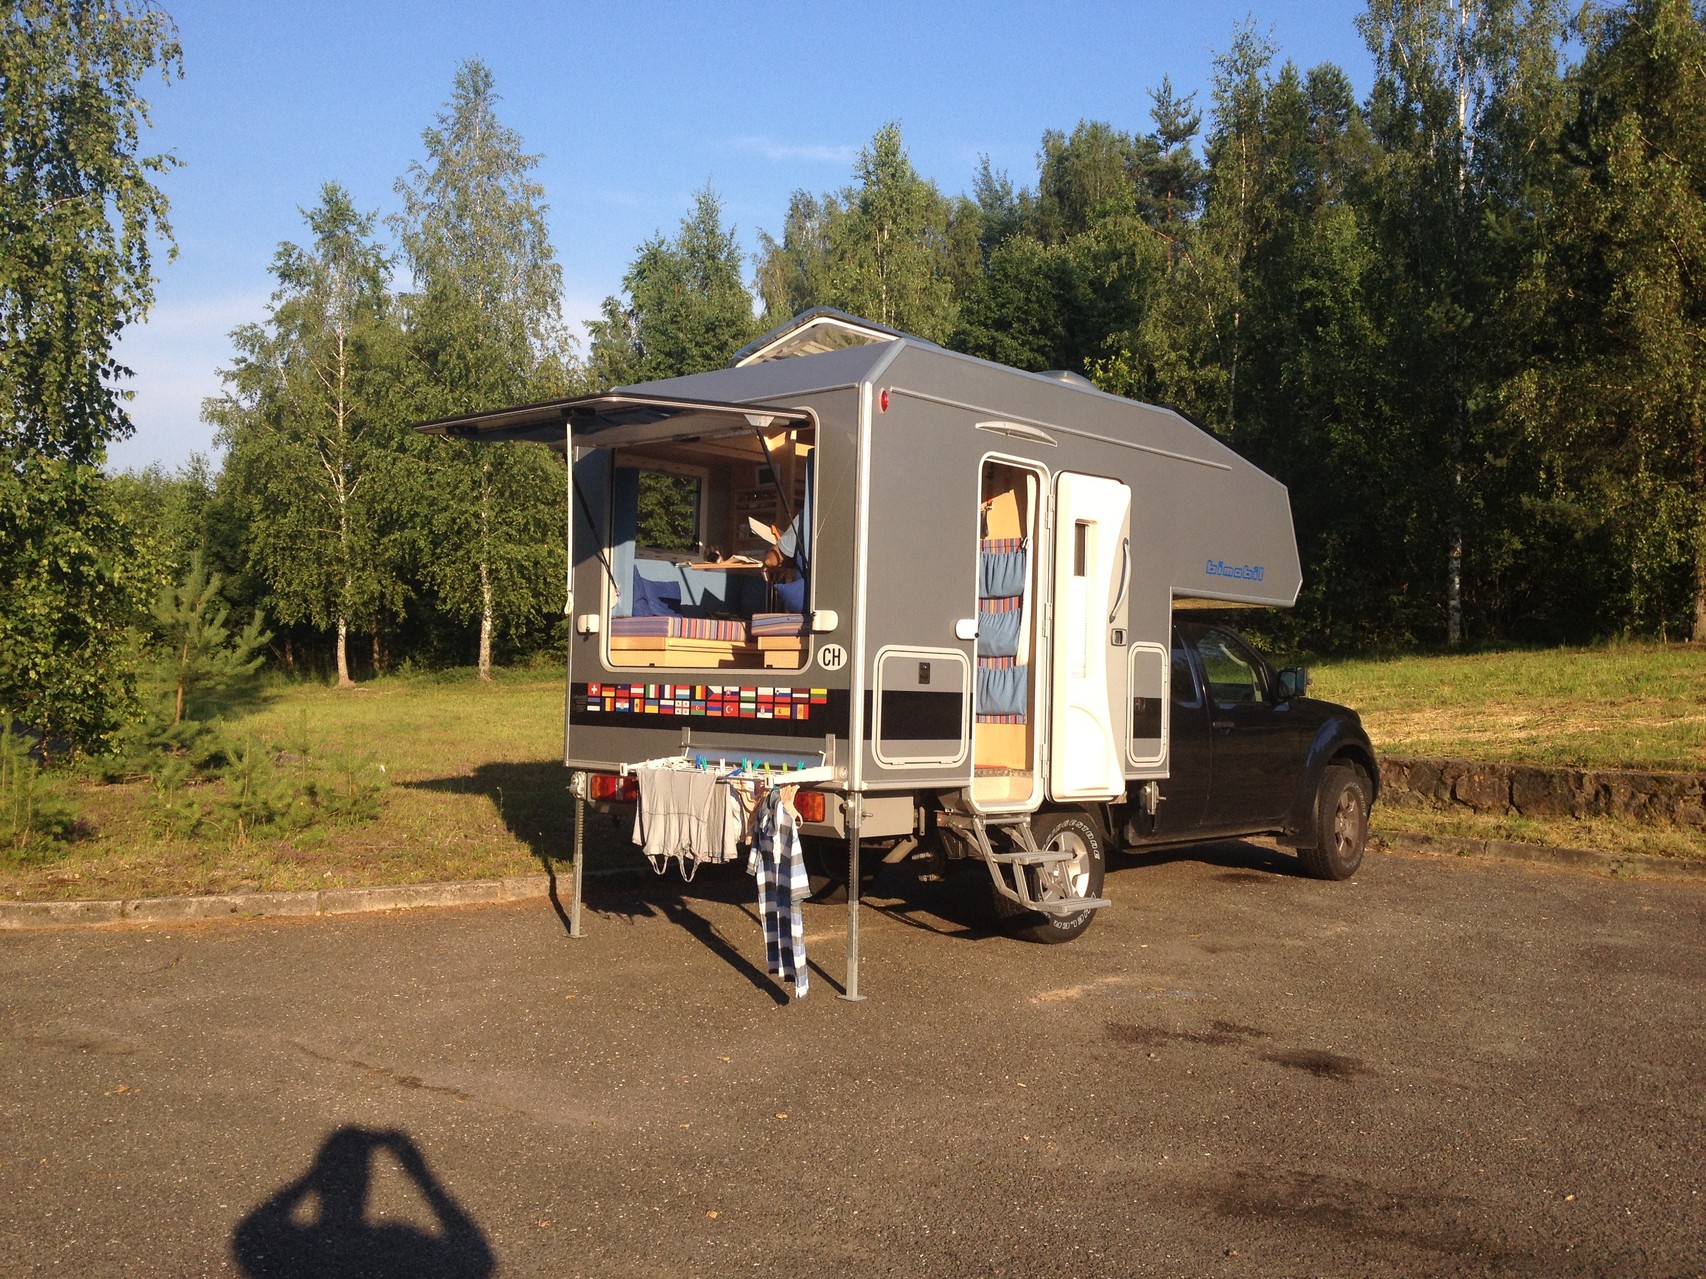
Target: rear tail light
(608, 788)
(809, 805)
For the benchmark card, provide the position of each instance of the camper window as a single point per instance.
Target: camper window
(711, 551)
(670, 515)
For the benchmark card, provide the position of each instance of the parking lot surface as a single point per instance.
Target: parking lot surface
(1438, 1067)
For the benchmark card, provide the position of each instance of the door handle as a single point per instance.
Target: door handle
(1224, 725)
(1125, 578)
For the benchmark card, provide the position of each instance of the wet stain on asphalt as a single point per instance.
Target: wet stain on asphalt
(92, 1044)
(1325, 1065)
(1219, 1032)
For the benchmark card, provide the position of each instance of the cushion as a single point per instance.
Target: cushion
(732, 631)
(777, 624)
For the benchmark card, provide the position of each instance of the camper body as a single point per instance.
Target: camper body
(977, 637)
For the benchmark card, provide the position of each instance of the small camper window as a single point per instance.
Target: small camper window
(670, 518)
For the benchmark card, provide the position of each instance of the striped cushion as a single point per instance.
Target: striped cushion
(700, 628)
(777, 623)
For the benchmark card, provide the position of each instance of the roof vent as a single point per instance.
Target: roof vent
(1069, 377)
(813, 332)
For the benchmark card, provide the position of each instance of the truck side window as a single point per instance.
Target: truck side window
(1184, 682)
(1230, 669)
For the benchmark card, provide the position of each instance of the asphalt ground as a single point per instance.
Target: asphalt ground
(1438, 1067)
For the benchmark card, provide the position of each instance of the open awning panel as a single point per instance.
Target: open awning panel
(613, 419)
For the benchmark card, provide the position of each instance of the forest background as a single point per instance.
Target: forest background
(1463, 320)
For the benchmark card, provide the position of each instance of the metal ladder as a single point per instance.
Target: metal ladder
(1007, 870)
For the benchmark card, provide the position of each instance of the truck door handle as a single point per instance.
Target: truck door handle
(1225, 725)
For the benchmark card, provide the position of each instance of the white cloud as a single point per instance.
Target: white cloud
(784, 152)
(175, 358)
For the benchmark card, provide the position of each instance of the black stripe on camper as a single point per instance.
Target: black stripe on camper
(919, 715)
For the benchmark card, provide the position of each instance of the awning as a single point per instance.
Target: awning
(613, 418)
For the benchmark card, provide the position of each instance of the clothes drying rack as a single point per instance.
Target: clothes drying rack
(792, 770)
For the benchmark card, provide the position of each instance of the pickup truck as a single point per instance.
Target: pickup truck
(1250, 754)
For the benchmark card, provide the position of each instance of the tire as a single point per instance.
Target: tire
(1071, 830)
(826, 868)
(1341, 824)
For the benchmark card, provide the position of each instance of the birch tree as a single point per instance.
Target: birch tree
(483, 329)
(311, 430)
(80, 215)
(1616, 393)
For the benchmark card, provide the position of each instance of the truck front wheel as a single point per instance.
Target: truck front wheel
(1341, 824)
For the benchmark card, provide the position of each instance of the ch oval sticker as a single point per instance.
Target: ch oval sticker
(832, 657)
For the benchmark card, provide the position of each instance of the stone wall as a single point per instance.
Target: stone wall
(1533, 790)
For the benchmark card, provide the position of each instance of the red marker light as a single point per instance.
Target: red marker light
(883, 400)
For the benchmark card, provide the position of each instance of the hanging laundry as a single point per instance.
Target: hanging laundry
(778, 862)
(686, 815)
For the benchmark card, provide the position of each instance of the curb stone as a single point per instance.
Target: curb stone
(16, 916)
(324, 901)
(1644, 864)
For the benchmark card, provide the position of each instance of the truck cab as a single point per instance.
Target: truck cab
(1252, 755)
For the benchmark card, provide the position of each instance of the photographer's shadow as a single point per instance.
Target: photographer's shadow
(287, 1238)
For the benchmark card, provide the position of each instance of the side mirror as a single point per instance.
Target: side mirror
(1294, 681)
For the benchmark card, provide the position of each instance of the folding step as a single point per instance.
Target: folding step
(1007, 870)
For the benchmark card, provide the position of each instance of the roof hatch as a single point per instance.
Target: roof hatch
(813, 332)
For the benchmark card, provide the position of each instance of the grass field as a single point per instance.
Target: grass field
(1619, 706)
(475, 787)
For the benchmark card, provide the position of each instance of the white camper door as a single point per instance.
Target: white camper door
(1092, 580)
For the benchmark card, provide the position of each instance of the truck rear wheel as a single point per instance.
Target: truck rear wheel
(1341, 824)
(1066, 830)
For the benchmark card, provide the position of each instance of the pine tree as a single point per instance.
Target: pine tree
(198, 650)
(687, 309)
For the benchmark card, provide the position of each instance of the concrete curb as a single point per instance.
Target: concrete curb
(15, 916)
(1642, 864)
(328, 901)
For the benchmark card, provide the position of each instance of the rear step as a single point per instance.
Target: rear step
(1007, 870)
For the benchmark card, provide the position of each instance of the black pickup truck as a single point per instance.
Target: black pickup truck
(1251, 755)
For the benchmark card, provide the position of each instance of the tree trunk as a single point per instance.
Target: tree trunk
(1699, 633)
(183, 666)
(376, 655)
(485, 569)
(344, 681)
(485, 620)
(1454, 552)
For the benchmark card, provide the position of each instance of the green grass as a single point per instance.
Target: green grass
(476, 787)
(1632, 705)
(1599, 834)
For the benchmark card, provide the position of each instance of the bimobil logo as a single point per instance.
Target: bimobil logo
(1243, 572)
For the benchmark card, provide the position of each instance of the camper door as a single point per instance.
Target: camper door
(1092, 583)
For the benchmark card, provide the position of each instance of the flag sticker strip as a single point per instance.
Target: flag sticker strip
(711, 701)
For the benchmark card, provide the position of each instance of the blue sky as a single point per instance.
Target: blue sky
(632, 107)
